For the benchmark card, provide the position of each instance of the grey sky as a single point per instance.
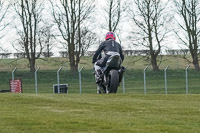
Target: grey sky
(125, 26)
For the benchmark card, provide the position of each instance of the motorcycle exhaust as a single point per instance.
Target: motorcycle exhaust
(121, 73)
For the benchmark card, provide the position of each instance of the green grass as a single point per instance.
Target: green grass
(89, 113)
(133, 112)
(131, 62)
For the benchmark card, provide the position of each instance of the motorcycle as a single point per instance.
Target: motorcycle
(110, 76)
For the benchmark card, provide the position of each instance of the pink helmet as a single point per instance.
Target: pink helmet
(110, 35)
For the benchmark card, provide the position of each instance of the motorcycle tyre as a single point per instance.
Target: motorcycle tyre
(113, 81)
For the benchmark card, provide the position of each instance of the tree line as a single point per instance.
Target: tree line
(151, 24)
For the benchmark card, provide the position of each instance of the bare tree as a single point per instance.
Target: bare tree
(70, 17)
(87, 38)
(113, 14)
(3, 12)
(48, 39)
(189, 12)
(30, 15)
(150, 18)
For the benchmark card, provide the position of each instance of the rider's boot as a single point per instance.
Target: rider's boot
(98, 76)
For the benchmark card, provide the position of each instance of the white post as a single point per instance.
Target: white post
(80, 84)
(58, 79)
(36, 89)
(166, 79)
(186, 75)
(13, 82)
(145, 87)
(124, 91)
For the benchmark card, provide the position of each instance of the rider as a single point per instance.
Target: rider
(109, 47)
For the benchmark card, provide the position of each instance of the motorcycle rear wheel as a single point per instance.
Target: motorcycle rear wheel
(113, 81)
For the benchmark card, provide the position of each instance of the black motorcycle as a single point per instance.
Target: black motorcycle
(110, 76)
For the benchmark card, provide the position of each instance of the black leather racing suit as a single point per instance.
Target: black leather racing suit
(107, 46)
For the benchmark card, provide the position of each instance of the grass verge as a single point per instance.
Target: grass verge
(91, 113)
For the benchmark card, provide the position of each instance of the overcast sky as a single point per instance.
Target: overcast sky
(125, 27)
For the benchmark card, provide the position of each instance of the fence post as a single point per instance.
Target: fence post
(58, 79)
(80, 84)
(124, 91)
(166, 79)
(145, 87)
(36, 89)
(13, 78)
(186, 74)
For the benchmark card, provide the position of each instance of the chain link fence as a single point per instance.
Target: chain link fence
(172, 81)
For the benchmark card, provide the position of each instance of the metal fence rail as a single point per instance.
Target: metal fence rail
(166, 81)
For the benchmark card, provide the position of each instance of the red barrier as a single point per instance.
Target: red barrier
(17, 86)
